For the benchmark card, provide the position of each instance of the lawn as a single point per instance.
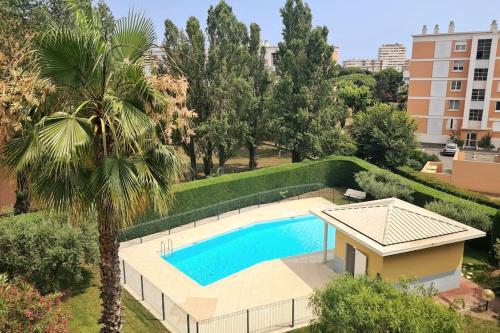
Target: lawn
(84, 309)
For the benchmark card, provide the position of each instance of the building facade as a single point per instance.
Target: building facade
(389, 56)
(455, 85)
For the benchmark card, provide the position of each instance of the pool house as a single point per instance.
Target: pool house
(391, 238)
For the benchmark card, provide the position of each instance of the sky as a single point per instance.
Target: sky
(358, 27)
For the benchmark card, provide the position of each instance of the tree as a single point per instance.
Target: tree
(358, 98)
(185, 57)
(384, 135)
(105, 153)
(305, 87)
(358, 80)
(389, 85)
(464, 213)
(229, 85)
(254, 115)
(364, 304)
(107, 18)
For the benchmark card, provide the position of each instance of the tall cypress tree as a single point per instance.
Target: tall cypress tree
(304, 92)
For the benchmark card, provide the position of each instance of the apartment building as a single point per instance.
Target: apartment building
(455, 85)
(389, 56)
(372, 65)
(392, 56)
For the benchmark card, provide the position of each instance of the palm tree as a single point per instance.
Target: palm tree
(100, 152)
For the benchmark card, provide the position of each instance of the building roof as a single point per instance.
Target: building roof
(391, 226)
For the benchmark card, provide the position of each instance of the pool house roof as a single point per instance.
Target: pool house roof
(392, 226)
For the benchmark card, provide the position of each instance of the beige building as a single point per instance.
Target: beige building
(389, 56)
(470, 170)
(391, 238)
(455, 85)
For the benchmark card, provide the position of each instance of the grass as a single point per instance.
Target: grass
(84, 309)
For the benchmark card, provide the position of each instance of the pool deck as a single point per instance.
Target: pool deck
(262, 284)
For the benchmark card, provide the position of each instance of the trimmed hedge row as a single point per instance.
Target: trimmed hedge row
(332, 171)
(445, 187)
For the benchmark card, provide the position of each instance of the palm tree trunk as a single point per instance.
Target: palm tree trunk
(23, 202)
(111, 317)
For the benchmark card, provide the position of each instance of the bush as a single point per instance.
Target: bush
(465, 214)
(485, 142)
(382, 185)
(23, 309)
(422, 156)
(414, 164)
(363, 304)
(45, 250)
(445, 187)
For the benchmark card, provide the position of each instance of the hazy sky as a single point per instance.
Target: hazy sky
(359, 27)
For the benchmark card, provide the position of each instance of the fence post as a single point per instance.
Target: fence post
(141, 239)
(239, 206)
(258, 199)
(163, 306)
(248, 321)
(293, 312)
(197, 328)
(189, 328)
(142, 288)
(124, 275)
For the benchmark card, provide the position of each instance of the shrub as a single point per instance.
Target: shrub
(485, 142)
(380, 185)
(414, 164)
(465, 214)
(23, 309)
(45, 250)
(363, 304)
(422, 156)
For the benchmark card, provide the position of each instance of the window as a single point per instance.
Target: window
(274, 56)
(456, 85)
(477, 95)
(497, 106)
(453, 105)
(471, 139)
(480, 74)
(483, 49)
(460, 46)
(458, 66)
(452, 124)
(476, 114)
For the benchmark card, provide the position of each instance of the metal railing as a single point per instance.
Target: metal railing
(192, 217)
(261, 319)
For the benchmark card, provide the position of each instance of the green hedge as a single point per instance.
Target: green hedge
(332, 171)
(445, 187)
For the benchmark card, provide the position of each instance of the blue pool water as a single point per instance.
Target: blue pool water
(216, 258)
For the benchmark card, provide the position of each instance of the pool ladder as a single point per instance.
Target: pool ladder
(167, 249)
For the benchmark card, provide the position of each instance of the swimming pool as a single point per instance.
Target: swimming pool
(216, 258)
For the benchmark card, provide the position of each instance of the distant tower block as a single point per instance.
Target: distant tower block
(436, 29)
(494, 26)
(424, 30)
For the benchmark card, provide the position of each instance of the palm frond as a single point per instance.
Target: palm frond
(133, 38)
(24, 151)
(66, 138)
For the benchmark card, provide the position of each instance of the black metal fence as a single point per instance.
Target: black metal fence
(192, 217)
(262, 319)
